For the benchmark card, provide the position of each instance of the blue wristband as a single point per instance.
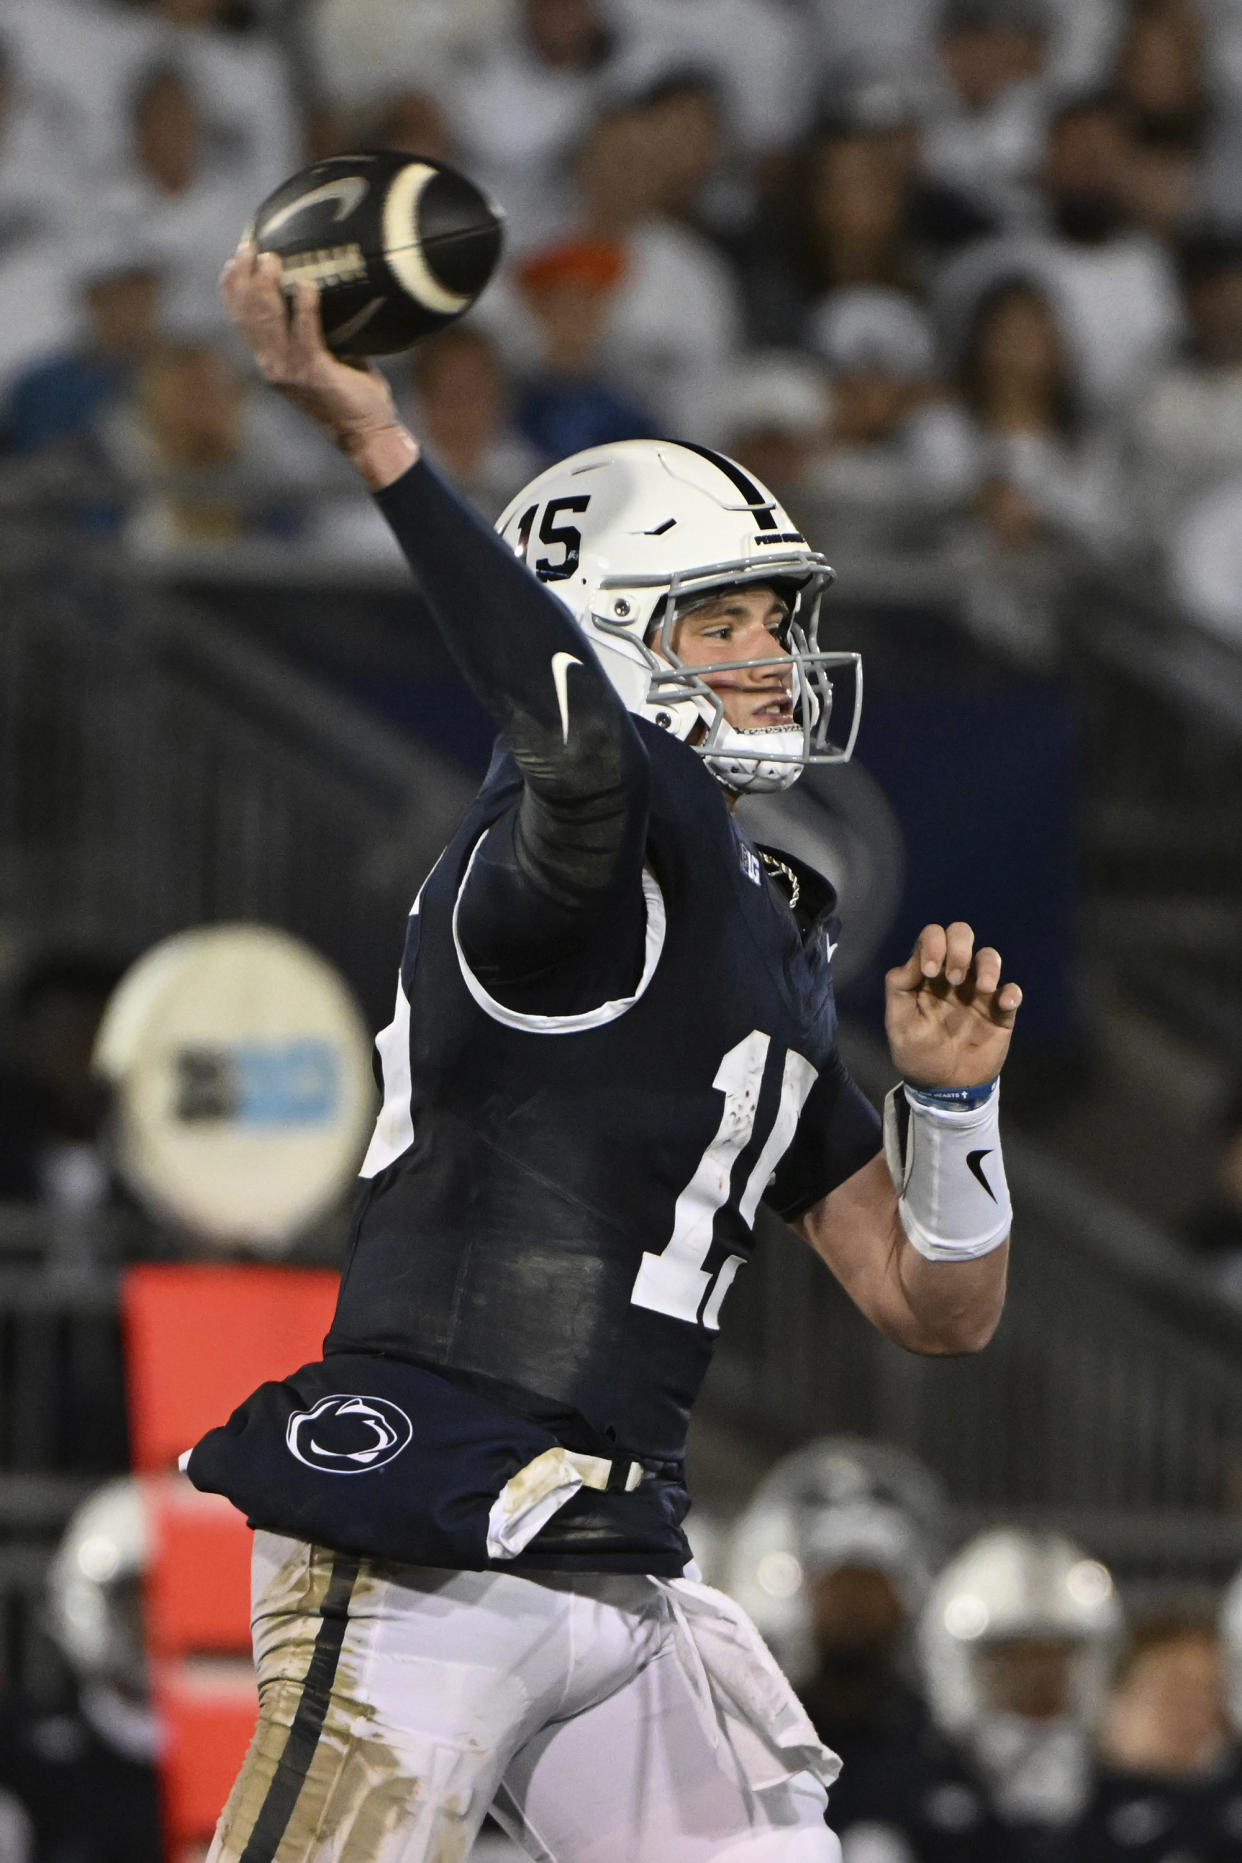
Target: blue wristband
(965, 1099)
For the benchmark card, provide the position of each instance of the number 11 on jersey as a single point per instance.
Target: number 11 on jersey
(675, 1281)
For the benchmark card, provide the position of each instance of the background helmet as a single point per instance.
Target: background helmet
(1004, 1586)
(632, 534)
(95, 1584)
(842, 1501)
(1231, 1643)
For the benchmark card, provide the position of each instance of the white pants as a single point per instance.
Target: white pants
(611, 1719)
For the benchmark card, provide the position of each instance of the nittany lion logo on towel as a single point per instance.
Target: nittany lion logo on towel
(348, 1435)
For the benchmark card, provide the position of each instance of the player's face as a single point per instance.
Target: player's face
(856, 1608)
(1029, 1676)
(741, 624)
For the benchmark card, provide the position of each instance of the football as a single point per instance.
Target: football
(399, 245)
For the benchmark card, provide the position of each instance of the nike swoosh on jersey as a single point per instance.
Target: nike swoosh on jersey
(347, 192)
(829, 949)
(561, 663)
(974, 1164)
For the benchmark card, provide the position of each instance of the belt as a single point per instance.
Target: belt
(619, 1476)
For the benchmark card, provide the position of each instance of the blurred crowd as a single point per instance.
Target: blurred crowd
(996, 1703)
(999, 1703)
(962, 279)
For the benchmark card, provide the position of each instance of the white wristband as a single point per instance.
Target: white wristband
(946, 1165)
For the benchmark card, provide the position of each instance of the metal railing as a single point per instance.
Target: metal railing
(62, 1410)
(158, 770)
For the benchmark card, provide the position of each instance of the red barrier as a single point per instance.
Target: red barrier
(198, 1338)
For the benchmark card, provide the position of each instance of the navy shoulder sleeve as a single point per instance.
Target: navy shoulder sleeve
(837, 1134)
(569, 857)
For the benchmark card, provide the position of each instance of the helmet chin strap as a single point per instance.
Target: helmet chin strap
(732, 760)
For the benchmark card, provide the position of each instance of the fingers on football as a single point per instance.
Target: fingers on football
(306, 331)
(231, 274)
(242, 254)
(265, 320)
(238, 278)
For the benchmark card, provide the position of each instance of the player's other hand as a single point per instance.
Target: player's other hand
(351, 401)
(948, 1015)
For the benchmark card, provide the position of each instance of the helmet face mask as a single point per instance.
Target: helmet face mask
(659, 527)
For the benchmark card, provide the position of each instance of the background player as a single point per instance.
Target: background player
(613, 1034)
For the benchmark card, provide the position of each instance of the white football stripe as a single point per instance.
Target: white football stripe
(408, 264)
(352, 325)
(347, 192)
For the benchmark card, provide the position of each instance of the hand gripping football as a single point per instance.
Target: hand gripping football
(399, 245)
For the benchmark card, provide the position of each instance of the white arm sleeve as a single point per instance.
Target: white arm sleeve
(946, 1165)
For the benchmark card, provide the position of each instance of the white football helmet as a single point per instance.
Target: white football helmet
(1008, 1584)
(1231, 1640)
(631, 535)
(841, 1501)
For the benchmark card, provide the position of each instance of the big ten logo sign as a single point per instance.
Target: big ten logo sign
(282, 1083)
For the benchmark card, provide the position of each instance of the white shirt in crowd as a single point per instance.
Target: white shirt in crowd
(1205, 560)
(757, 52)
(517, 121)
(672, 327)
(1186, 436)
(1116, 303)
(361, 52)
(91, 58)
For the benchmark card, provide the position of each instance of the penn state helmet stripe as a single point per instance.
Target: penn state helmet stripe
(282, 1794)
(752, 493)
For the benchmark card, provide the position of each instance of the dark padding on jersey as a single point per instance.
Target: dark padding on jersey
(312, 1710)
(572, 856)
(536, 950)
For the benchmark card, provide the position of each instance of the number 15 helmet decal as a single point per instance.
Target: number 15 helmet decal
(633, 535)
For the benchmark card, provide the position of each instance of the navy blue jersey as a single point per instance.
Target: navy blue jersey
(572, 1196)
(612, 1038)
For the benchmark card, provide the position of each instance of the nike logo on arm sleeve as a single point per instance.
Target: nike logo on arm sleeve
(974, 1163)
(561, 663)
